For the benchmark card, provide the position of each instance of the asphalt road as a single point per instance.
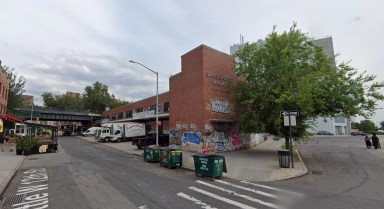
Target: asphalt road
(351, 176)
(90, 175)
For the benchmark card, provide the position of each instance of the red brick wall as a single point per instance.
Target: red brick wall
(145, 103)
(4, 87)
(186, 92)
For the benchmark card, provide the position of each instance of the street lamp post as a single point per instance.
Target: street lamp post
(157, 98)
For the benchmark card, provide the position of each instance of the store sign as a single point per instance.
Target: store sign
(147, 114)
(220, 106)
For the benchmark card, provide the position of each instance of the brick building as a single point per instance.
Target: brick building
(4, 87)
(199, 110)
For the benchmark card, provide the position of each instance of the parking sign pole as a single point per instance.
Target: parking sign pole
(290, 139)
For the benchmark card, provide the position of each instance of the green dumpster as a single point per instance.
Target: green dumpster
(171, 158)
(211, 166)
(151, 154)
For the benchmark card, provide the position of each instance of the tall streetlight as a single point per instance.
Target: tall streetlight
(157, 99)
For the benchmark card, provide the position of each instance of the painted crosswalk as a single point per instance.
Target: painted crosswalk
(241, 194)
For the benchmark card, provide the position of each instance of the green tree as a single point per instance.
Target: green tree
(69, 100)
(97, 97)
(367, 126)
(289, 72)
(355, 125)
(16, 89)
(382, 125)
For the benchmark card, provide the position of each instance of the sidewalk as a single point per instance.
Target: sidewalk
(258, 164)
(9, 163)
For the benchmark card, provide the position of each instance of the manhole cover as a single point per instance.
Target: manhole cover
(12, 200)
(317, 172)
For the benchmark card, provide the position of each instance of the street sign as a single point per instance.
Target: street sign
(289, 113)
(293, 120)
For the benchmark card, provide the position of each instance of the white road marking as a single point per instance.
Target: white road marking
(144, 207)
(197, 202)
(274, 188)
(239, 195)
(248, 189)
(237, 204)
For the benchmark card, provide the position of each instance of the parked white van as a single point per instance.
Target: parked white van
(90, 131)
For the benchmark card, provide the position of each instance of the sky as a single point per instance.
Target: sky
(61, 46)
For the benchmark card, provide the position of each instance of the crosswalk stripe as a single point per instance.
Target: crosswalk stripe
(197, 202)
(248, 189)
(237, 204)
(273, 188)
(239, 195)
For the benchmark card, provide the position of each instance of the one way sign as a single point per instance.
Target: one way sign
(289, 113)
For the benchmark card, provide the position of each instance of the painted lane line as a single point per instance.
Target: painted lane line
(229, 201)
(274, 188)
(239, 195)
(248, 189)
(197, 202)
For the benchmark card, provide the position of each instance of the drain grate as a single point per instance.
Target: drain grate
(317, 172)
(34, 158)
(12, 200)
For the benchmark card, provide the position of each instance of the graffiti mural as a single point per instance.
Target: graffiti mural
(174, 139)
(191, 138)
(220, 106)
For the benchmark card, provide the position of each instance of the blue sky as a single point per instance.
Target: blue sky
(66, 45)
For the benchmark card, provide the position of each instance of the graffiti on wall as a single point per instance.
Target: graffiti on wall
(186, 126)
(174, 139)
(220, 106)
(191, 138)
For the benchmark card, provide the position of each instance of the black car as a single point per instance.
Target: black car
(358, 133)
(67, 132)
(324, 133)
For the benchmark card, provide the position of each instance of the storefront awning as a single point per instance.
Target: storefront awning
(10, 118)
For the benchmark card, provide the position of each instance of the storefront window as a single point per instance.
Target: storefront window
(166, 107)
(128, 114)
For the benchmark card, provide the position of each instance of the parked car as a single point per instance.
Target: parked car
(324, 133)
(67, 132)
(358, 133)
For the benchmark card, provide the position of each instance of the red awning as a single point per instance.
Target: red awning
(9, 117)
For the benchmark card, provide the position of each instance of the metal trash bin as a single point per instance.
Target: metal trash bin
(284, 158)
(151, 154)
(211, 166)
(171, 158)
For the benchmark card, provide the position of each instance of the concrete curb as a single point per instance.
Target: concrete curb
(10, 176)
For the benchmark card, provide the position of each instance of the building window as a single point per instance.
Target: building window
(120, 116)
(113, 117)
(139, 110)
(128, 114)
(166, 107)
(340, 119)
(152, 107)
(160, 109)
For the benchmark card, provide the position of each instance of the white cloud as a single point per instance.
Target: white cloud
(66, 45)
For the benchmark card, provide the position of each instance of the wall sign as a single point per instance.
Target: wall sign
(220, 106)
(219, 82)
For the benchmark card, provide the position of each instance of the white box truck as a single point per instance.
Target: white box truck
(127, 130)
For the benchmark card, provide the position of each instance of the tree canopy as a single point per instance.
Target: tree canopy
(95, 98)
(288, 71)
(16, 88)
(367, 126)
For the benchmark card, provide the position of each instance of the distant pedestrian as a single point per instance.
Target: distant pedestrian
(368, 142)
(375, 142)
